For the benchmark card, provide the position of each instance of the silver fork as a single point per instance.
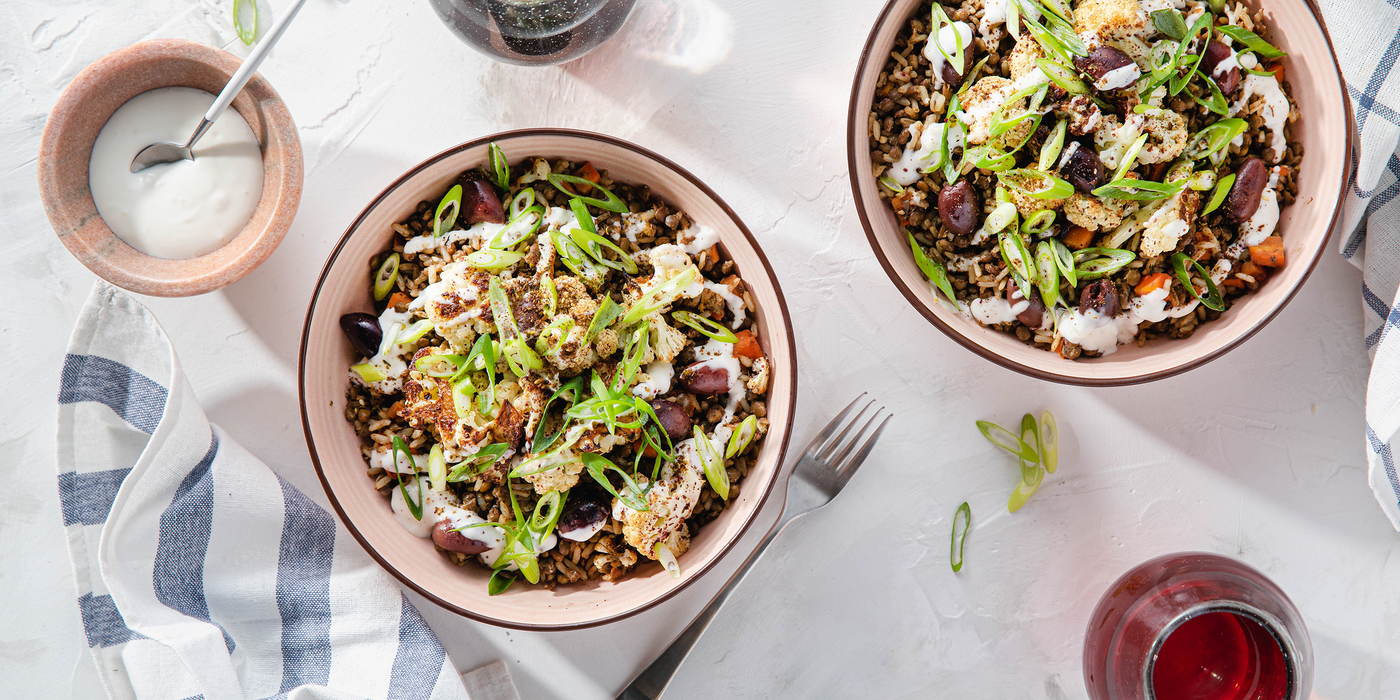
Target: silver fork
(829, 462)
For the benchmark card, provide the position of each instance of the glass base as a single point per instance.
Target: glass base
(534, 32)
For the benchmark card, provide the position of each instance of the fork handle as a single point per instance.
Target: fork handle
(653, 680)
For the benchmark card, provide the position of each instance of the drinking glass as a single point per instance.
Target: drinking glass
(533, 32)
(1196, 626)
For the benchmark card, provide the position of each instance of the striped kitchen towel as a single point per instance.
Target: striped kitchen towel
(200, 572)
(1367, 38)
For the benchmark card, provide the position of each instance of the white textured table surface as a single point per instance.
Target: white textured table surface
(1257, 455)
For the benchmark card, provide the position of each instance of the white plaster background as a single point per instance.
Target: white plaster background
(1257, 455)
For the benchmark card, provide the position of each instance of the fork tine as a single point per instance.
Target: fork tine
(819, 442)
(839, 458)
(849, 470)
(827, 449)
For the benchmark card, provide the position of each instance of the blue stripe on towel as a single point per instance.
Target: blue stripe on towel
(419, 659)
(134, 396)
(87, 497)
(1383, 449)
(304, 589)
(103, 623)
(184, 540)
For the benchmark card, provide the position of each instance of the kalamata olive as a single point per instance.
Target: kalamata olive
(1034, 314)
(1084, 169)
(1104, 59)
(363, 331)
(1216, 52)
(702, 378)
(445, 536)
(1100, 296)
(673, 418)
(958, 207)
(950, 74)
(580, 516)
(1243, 199)
(480, 203)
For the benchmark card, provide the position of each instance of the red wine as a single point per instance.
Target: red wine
(1220, 656)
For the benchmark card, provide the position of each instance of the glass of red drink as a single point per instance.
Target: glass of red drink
(1196, 626)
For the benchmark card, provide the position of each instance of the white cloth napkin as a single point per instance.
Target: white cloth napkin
(200, 572)
(1367, 38)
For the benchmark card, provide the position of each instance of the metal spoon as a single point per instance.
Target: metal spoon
(167, 152)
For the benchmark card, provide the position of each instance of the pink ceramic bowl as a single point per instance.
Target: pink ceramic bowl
(1323, 128)
(335, 449)
(86, 105)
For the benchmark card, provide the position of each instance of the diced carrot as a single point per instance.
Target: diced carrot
(1233, 283)
(897, 202)
(747, 345)
(590, 173)
(1272, 242)
(1249, 268)
(1078, 237)
(1152, 283)
(399, 298)
(1269, 252)
(396, 410)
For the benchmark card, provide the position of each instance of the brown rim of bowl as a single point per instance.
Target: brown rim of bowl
(778, 475)
(853, 161)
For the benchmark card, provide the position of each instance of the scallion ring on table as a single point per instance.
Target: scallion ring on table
(1030, 434)
(1017, 255)
(933, 270)
(659, 297)
(1024, 490)
(612, 203)
(955, 550)
(1212, 300)
(1251, 41)
(369, 373)
(500, 168)
(1054, 144)
(1049, 283)
(712, 463)
(1139, 190)
(1094, 263)
(1046, 186)
(524, 199)
(706, 326)
(1049, 442)
(1064, 261)
(451, 204)
(1222, 189)
(1002, 216)
(386, 276)
(398, 446)
(1214, 138)
(1006, 440)
(247, 31)
(1039, 222)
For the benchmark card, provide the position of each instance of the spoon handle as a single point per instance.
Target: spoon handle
(250, 64)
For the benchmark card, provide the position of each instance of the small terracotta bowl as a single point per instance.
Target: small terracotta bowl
(86, 105)
(326, 356)
(1323, 128)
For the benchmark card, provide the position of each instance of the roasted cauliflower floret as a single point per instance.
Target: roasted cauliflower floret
(1093, 213)
(455, 304)
(1027, 205)
(1166, 137)
(668, 261)
(1109, 19)
(575, 354)
(560, 477)
(1169, 224)
(670, 502)
(1023, 58)
(758, 378)
(666, 341)
(981, 102)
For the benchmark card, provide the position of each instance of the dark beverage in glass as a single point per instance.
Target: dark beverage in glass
(534, 32)
(1196, 626)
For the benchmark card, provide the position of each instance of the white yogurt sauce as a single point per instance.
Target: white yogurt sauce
(997, 310)
(389, 359)
(993, 13)
(478, 235)
(434, 502)
(733, 301)
(948, 40)
(1274, 110)
(1094, 332)
(1118, 78)
(720, 355)
(919, 153)
(1264, 221)
(183, 209)
(658, 381)
(583, 534)
(701, 238)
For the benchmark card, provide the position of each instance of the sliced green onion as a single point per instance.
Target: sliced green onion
(500, 581)
(1212, 300)
(955, 549)
(1004, 215)
(1202, 180)
(398, 445)
(1222, 188)
(1030, 434)
(940, 19)
(1214, 138)
(891, 185)
(1139, 190)
(1025, 490)
(706, 326)
(607, 312)
(632, 353)
(1049, 274)
(524, 199)
(542, 441)
(493, 260)
(451, 204)
(463, 392)
(1179, 80)
(739, 440)
(1060, 8)
(501, 310)
(547, 512)
(1052, 44)
(1252, 41)
(1064, 261)
(558, 328)
(247, 33)
(598, 467)
(668, 560)
(500, 168)
(712, 463)
(594, 245)
(578, 262)
(550, 293)
(520, 358)
(1066, 78)
(612, 203)
(1216, 102)
(659, 297)
(585, 219)
(1039, 222)
(1130, 157)
(439, 366)
(519, 228)
(369, 373)
(1017, 255)
(1170, 23)
(1181, 170)
(437, 468)
(484, 459)
(1048, 186)
(386, 276)
(1050, 151)
(932, 269)
(1006, 440)
(1049, 442)
(419, 329)
(1001, 124)
(1093, 263)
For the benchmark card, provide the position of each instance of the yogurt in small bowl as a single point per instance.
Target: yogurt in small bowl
(177, 229)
